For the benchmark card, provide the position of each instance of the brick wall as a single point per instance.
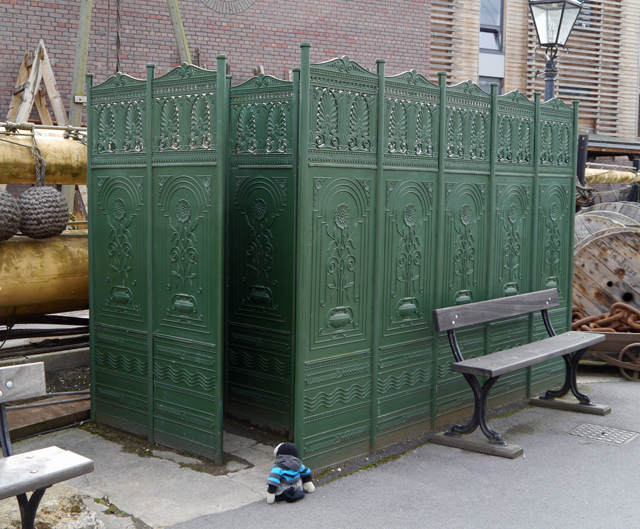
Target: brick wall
(267, 33)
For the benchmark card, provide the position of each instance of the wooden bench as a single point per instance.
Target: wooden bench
(570, 345)
(39, 469)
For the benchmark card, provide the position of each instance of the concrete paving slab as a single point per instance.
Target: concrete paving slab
(256, 457)
(232, 443)
(157, 491)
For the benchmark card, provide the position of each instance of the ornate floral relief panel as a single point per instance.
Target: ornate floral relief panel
(465, 243)
(555, 239)
(341, 260)
(182, 249)
(260, 253)
(512, 262)
(409, 261)
(120, 281)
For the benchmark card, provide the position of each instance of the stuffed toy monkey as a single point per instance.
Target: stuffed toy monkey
(289, 478)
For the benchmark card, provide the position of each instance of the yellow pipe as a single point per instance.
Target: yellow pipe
(65, 158)
(601, 176)
(44, 276)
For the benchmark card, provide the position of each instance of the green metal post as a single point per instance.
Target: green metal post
(440, 216)
(492, 204)
(535, 221)
(379, 251)
(304, 244)
(572, 205)
(222, 131)
(92, 247)
(148, 208)
(295, 153)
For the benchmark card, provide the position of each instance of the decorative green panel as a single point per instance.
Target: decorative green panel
(261, 262)
(512, 264)
(468, 128)
(156, 274)
(341, 294)
(464, 244)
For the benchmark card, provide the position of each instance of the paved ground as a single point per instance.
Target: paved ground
(564, 480)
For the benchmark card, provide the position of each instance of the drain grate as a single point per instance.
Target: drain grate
(604, 434)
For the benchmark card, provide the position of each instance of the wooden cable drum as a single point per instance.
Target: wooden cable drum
(607, 270)
(630, 209)
(587, 224)
(614, 215)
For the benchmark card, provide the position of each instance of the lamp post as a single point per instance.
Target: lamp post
(554, 20)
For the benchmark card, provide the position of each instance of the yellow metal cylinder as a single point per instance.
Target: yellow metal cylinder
(44, 276)
(65, 158)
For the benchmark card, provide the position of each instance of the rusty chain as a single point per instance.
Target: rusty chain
(621, 318)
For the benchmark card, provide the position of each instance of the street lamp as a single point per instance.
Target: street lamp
(554, 20)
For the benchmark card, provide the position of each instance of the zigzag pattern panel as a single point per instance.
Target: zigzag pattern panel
(120, 367)
(337, 398)
(405, 375)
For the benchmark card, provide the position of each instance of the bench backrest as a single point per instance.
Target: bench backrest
(22, 381)
(461, 316)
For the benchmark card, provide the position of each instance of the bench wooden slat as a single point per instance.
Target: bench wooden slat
(495, 309)
(22, 381)
(498, 363)
(40, 468)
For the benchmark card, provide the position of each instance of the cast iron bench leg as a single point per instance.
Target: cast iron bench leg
(480, 395)
(571, 360)
(29, 507)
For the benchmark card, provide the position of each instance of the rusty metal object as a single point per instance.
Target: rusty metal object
(628, 361)
(621, 318)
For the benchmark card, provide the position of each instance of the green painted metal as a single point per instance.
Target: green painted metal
(356, 203)
(157, 198)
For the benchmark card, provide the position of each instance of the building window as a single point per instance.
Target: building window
(491, 14)
(485, 83)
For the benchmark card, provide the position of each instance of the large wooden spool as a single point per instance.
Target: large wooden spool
(607, 270)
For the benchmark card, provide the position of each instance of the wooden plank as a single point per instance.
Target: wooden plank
(501, 362)
(483, 311)
(29, 94)
(40, 468)
(21, 83)
(568, 405)
(477, 444)
(52, 89)
(43, 111)
(22, 382)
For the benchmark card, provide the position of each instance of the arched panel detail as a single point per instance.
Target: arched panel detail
(465, 213)
(556, 240)
(119, 199)
(183, 202)
(258, 208)
(408, 229)
(341, 253)
(513, 239)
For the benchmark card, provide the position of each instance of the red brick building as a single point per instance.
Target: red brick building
(249, 32)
